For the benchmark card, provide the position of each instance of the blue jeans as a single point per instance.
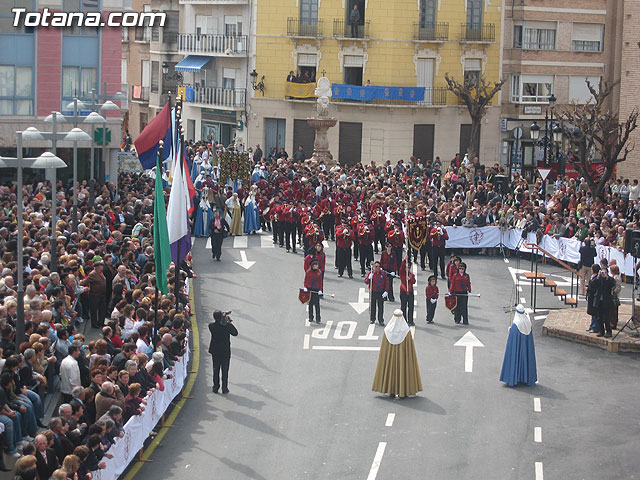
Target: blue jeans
(12, 430)
(36, 401)
(594, 323)
(28, 423)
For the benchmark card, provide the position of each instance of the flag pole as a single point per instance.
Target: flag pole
(155, 306)
(179, 159)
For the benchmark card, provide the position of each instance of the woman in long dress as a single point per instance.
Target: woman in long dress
(204, 215)
(519, 365)
(251, 217)
(234, 210)
(397, 371)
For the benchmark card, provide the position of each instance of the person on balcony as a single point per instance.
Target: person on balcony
(354, 20)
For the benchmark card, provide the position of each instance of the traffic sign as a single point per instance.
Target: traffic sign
(544, 173)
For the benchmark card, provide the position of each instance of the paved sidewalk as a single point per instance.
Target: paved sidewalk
(572, 323)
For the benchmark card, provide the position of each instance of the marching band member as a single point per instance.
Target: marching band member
(344, 239)
(431, 293)
(365, 245)
(377, 281)
(313, 283)
(438, 236)
(396, 238)
(461, 286)
(407, 299)
(389, 262)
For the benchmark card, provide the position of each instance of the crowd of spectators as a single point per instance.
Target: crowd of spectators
(94, 344)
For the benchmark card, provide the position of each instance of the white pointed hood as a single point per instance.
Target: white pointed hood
(397, 328)
(522, 321)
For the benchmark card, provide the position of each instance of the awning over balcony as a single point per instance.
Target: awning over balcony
(192, 63)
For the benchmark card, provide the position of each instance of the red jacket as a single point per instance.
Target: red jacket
(320, 257)
(313, 280)
(451, 269)
(460, 283)
(438, 240)
(364, 237)
(431, 291)
(344, 236)
(389, 262)
(395, 238)
(405, 280)
(378, 281)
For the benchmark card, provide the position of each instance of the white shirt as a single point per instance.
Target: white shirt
(634, 192)
(69, 374)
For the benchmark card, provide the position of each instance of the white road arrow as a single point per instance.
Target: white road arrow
(244, 263)
(468, 341)
(362, 304)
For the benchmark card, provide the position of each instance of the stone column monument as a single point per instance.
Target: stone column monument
(322, 122)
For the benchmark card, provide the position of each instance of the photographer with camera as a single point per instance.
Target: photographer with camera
(220, 348)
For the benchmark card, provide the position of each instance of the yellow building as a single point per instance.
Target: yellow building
(394, 43)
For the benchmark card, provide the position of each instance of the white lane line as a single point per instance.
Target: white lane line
(519, 289)
(506, 260)
(540, 317)
(390, 418)
(306, 342)
(375, 466)
(537, 406)
(266, 241)
(523, 300)
(240, 241)
(539, 473)
(208, 245)
(537, 434)
(344, 348)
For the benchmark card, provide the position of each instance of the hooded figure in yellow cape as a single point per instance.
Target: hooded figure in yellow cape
(397, 372)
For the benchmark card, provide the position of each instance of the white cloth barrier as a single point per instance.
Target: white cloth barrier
(565, 249)
(138, 428)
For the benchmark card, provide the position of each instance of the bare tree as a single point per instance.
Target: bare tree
(597, 136)
(476, 96)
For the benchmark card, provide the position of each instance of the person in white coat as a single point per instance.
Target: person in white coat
(70, 373)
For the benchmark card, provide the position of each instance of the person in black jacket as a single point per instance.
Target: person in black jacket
(592, 295)
(604, 302)
(219, 229)
(220, 348)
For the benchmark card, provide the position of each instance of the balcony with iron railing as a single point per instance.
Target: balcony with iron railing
(139, 93)
(485, 33)
(228, 98)
(343, 29)
(297, 27)
(213, 44)
(431, 32)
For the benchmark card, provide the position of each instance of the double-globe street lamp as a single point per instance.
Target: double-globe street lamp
(552, 134)
(47, 161)
(75, 135)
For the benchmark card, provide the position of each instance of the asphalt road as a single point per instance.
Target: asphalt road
(309, 413)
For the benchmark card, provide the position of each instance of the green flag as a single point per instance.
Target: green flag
(161, 248)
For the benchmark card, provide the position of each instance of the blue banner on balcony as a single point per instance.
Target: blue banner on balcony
(375, 92)
(188, 94)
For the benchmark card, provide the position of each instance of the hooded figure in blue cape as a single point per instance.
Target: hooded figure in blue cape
(519, 365)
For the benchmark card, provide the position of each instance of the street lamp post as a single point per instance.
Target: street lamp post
(46, 161)
(93, 118)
